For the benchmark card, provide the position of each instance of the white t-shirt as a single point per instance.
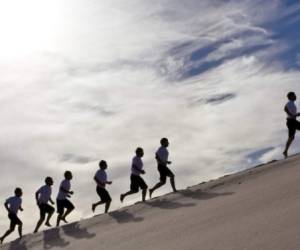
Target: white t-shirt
(292, 109)
(44, 194)
(66, 185)
(163, 154)
(101, 176)
(14, 204)
(138, 163)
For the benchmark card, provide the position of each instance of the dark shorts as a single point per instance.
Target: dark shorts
(164, 172)
(45, 209)
(292, 125)
(137, 182)
(103, 194)
(62, 204)
(14, 220)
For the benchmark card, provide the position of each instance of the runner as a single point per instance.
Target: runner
(62, 200)
(162, 155)
(136, 180)
(101, 181)
(42, 196)
(292, 123)
(13, 205)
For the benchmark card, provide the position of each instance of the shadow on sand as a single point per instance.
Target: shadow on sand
(17, 244)
(52, 239)
(202, 195)
(168, 204)
(124, 216)
(75, 231)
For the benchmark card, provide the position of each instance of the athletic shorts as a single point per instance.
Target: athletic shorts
(164, 172)
(62, 204)
(103, 194)
(45, 209)
(292, 125)
(137, 182)
(14, 220)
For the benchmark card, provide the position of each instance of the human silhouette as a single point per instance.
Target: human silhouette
(101, 180)
(162, 155)
(136, 180)
(43, 196)
(291, 110)
(62, 201)
(13, 205)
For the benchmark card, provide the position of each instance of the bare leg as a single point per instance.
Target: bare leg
(39, 224)
(63, 218)
(172, 181)
(288, 144)
(8, 232)
(122, 196)
(158, 185)
(107, 205)
(48, 219)
(20, 230)
(58, 219)
(144, 192)
(94, 205)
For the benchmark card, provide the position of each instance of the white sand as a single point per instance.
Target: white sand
(256, 209)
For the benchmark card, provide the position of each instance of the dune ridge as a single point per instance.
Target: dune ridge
(257, 208)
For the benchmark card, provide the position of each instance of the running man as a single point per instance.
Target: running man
(136, 180)
(101, 181)
(292, 123)
(162, 155)
(42, 196)
(62, 201)
(13, 205)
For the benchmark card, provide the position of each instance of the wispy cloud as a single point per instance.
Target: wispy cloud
(116, 75)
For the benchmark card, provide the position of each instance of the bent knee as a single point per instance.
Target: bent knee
(162, 182)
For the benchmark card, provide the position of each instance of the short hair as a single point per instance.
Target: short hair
(18, 190)
(139, 149)
(290, 95)
(102, 163)
(163, 140)
(48, 179)
(67, 173)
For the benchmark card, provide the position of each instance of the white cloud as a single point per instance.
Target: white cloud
(107, 84)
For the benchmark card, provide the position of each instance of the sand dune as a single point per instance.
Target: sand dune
(255, 209)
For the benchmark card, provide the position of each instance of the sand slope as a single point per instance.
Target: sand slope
(255, 209)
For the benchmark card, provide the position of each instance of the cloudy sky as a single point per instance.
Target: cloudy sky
(85, 80)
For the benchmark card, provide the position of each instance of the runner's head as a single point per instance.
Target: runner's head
(139, 152)
(68, 175)
(103, 164)
(49, 181)
(18, 192)
(291, 96)
(164, 142)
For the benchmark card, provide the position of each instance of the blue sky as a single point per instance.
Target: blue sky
(84, 80)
